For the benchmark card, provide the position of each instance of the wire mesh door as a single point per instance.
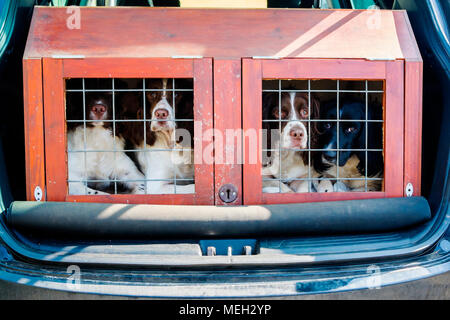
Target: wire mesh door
(128, 130)
(326, 130)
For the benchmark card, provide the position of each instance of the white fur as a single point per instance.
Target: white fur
(286, 139)
(168, 164)
(163, 104)
(99, 165)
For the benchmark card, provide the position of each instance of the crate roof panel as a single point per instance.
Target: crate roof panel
(220, 33)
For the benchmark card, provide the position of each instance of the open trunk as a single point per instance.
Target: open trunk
(264, 243)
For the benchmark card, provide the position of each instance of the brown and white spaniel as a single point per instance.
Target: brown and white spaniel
(161, 157)
(95, 153)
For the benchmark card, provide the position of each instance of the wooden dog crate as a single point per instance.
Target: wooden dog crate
(234, 57)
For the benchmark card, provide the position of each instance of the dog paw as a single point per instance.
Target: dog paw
(300, 186)
(325, 186)
(271, 190)
(340, 187)
(139, 189)
(190, 188)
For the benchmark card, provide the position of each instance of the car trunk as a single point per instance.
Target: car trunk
(263, 236)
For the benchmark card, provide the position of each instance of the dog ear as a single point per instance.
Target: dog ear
(269, 100)
(314, 114)
(185, 110)
(306, 157)
(151, 136)
(360, 143)
(314, 135)
(74, 108)
(184, 105)
(375, 163)
(128, 105)
(178, 97)
(140, 114)
(322, 112)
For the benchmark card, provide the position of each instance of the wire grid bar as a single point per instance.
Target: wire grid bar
(323, 91)
(366, 137)
(84, 139)
(127, 180)
(130, 120)
(130, 90)
(338, 125)
(345, 150)
(327, 120)
(279, 128)
(174, 113)
(309, 130)
(144, 98)
(114, 135)
(322, 179)
(85, 121)
(337, 120)
(127, 150)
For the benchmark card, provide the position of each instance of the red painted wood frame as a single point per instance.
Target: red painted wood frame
(34, 127)
(254, 71)
(228, 118)
(55, 71)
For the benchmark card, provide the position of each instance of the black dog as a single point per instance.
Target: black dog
(352, 135)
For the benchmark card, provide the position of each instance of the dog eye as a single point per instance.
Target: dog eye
(327, 125)
(283, 114)
(350, 130)
(304, 113)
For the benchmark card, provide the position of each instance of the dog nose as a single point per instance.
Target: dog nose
(98, 108)
(297, 133)
(161, 114)
(330, 154)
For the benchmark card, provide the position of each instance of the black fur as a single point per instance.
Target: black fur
(352, 135)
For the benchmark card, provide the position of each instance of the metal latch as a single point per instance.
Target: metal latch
(38, 193)
(409, 190)
(228, 193)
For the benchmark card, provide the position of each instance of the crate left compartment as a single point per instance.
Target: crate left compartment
(127, 130)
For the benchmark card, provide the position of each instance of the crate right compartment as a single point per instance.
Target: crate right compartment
(324, 130)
